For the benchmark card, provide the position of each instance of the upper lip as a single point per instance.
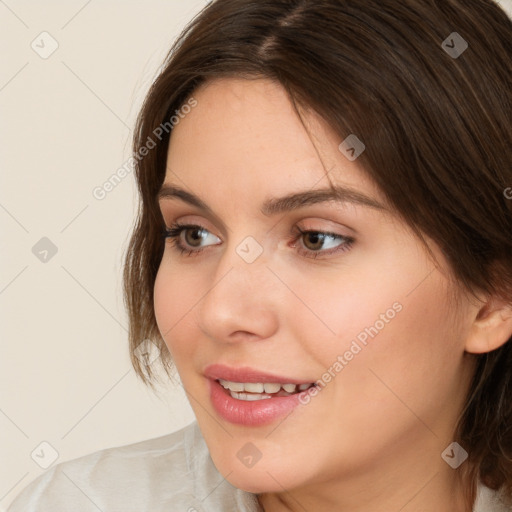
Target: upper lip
(248, 374)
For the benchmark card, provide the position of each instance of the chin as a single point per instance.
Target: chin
(258, 483)
(262, 477)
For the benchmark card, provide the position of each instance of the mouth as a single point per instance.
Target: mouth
(252, 391)
(251, 397)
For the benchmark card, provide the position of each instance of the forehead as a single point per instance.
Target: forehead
(246, 135)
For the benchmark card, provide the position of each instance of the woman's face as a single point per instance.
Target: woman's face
(363, 305)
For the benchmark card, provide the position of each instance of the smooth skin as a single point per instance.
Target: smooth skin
(372, 439)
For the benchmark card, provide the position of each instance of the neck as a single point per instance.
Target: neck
(421, 498)
(424, 485)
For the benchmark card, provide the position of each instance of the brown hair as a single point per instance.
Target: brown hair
(438, 133)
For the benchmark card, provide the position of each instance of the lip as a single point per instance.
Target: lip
(250, 413)
(248, 374)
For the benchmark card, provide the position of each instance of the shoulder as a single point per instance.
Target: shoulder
(121, 478)
(489, 500)
(172, 472)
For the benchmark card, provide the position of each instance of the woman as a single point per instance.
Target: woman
(323, 252)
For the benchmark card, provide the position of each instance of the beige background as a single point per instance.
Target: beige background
(65, 128)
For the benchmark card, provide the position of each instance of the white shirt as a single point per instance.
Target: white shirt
(170, 473)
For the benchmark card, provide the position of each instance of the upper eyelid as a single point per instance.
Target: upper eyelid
(294, 227)
(224, 229)
(297, 231)
(352, 233)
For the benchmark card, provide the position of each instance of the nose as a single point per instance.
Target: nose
(241, 301)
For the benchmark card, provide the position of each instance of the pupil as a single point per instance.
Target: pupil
(318, 237)
(196, 238)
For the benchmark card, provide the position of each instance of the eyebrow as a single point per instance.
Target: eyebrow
(283, 204)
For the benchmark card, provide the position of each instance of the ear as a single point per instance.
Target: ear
(491, 328)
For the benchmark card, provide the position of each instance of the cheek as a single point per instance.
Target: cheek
(411, 364)
(336, 310)
(395, 331)
(174, 299)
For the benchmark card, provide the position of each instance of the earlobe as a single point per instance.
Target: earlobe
(491, 328)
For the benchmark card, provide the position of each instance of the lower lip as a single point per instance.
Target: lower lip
(251, 413)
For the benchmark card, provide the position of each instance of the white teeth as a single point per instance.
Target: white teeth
(257, 388)
(232, 386)
(254, 387)
(271, 388)
(249, 396)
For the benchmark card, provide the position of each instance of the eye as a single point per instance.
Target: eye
(198, 234)
(315, 240)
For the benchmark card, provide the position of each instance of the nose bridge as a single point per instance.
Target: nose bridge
(245, 264)
(242, 294)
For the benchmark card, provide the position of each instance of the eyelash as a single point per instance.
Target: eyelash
(173, 235)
